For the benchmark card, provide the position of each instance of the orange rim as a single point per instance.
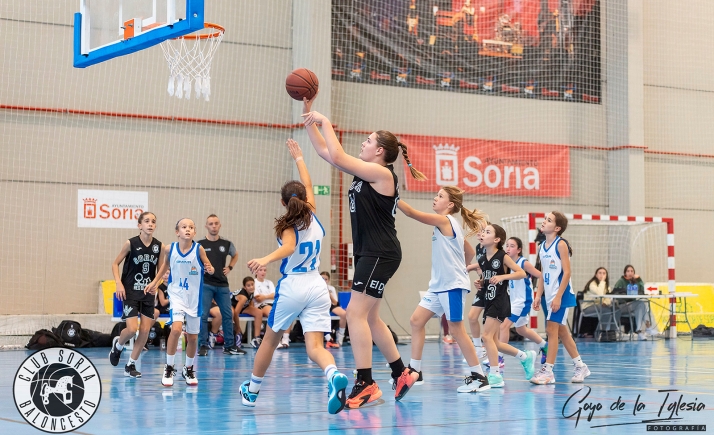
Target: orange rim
(218, 31)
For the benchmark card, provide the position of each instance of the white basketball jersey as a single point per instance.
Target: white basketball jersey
(448, 266)
(306, 258)
(552, 266)
(185, 280)
(520, 289)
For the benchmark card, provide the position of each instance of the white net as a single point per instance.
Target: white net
(608, 244)
(189, 59)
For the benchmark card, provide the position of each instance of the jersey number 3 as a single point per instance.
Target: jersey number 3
(310, 252)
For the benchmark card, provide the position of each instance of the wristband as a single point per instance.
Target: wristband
(230, 267)
(298, 159)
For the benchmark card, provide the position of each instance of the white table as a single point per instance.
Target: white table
(672, 323)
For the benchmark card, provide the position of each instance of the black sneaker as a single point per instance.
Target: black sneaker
(474, 383)
(203, 351)
(115, 354)
(131, 371)
(233, 350)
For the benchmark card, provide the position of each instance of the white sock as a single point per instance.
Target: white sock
(340, 336)
(170, 359)
(477, 369)
(329, 370)
(543, 344)
(477, 341)
(133, 361)
(255, 382)
(189, 362)
(548, 367)
(328, 337)
(119, 346)
(578, 361)
(495, 369)
(415, 364)
(286, 338)
(521, 355)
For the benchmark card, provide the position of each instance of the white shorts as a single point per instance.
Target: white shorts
(449, 302)
(193, 323)
(303, 296)
(520, 314)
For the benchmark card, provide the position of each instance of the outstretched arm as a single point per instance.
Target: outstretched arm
(437, 220)
(285, 250)
(318, 142)
(370, 172)
(305, 179)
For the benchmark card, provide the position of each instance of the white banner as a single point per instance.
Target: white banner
(110, 208)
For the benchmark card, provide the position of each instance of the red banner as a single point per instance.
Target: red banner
(489, 167)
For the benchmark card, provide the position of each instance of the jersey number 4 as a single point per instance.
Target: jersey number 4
(183, 283)
(546, 278)
(310, 252)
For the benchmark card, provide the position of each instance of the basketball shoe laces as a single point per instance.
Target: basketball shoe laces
(357, 389)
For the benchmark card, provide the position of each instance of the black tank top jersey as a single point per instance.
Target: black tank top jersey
(372, 215)
(140, 267)
(490, 268)
(480, 252)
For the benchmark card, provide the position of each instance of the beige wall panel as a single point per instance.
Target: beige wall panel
(675, 39)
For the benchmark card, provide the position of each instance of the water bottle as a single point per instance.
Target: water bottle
(163, 343)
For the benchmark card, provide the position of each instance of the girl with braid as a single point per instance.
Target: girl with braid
(373, 198)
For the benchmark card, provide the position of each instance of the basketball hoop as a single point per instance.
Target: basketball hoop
(189, 59)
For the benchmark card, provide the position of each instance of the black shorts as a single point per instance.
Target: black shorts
(479, 299)
(499, 308)
(133, 308)
(372, 274)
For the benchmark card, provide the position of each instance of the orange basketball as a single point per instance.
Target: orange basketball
(301, 83)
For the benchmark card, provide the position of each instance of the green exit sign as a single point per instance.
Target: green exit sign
(321, 190)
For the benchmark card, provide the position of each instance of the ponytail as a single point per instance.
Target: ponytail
(475, 220)
(391, 146)
(415, 172)
(299, 211)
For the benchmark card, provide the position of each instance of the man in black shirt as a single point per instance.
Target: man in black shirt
(216, 288)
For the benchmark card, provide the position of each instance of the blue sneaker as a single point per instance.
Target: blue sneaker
(247, 397)
(336, 392)
(529, 364)
(543, 353)
(495, 381)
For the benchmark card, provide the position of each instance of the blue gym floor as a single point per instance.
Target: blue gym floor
(293, 396)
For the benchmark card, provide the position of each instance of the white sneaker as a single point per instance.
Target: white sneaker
(189, 375)
(481, 353)
(256, 342)
(580, 374)
(168, 378)
(641, 336)
(652, 331)
(543, 377)
(284, 344)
